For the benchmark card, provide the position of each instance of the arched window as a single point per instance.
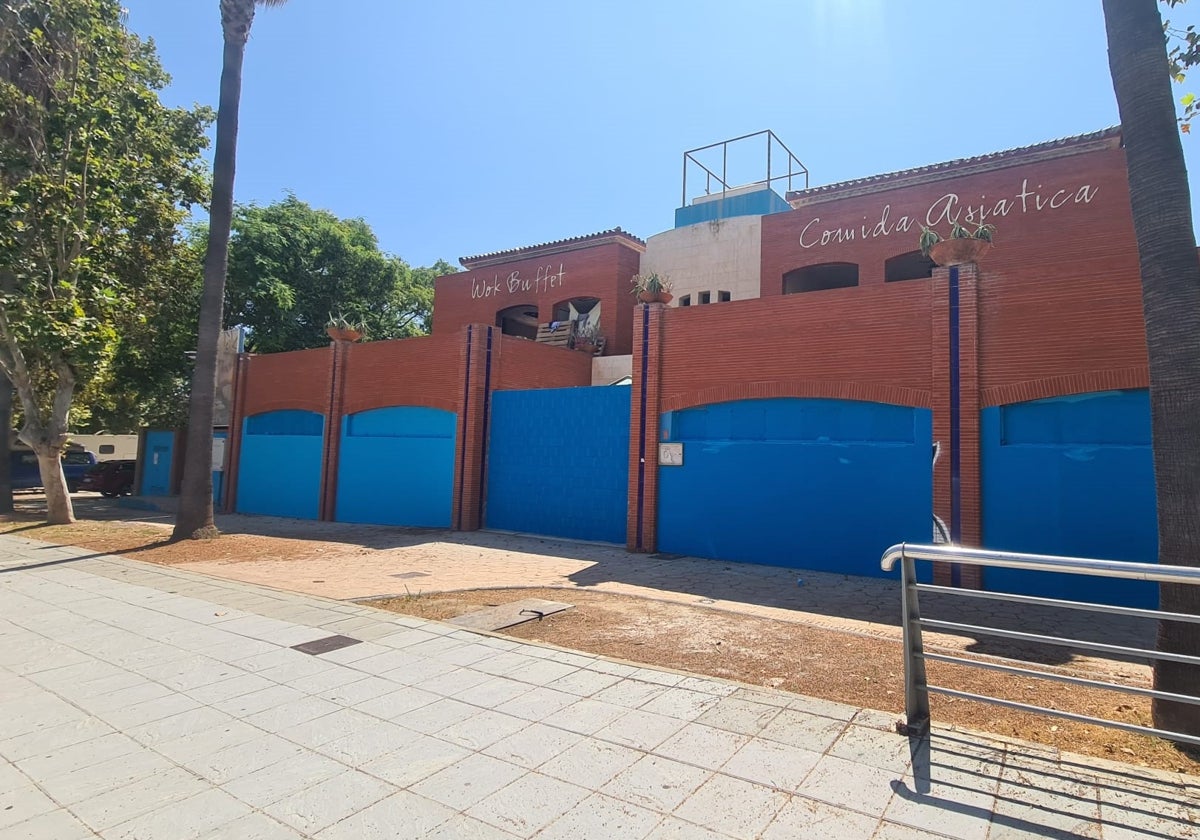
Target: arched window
(911, 266)
(818, 278)
(519, 320)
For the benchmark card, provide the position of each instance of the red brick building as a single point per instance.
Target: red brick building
(519, 289)
(805, 415)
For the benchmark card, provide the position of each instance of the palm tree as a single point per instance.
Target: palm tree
(1162, 221)
(195, 518)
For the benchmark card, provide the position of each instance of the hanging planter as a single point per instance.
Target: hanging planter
(958, 251)
(655, 297)
(340, 328)
(650, 288)
(343, 333)
(963, 245)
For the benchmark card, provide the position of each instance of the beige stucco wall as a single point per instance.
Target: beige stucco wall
(608, 369)
(721, 255)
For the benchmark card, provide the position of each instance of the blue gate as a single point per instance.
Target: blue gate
(396, 467)
(156, 463)
(279, 472)
(1073, 476)
(810, 483)
(558, 462)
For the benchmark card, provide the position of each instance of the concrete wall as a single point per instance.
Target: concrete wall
(608, 369)
(720, 255)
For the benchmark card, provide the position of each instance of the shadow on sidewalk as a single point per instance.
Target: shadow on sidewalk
(1038, 794)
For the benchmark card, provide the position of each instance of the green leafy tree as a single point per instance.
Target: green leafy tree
(195, 517)
(146, 382)
(1183, 53)
(1162, 220)
(292, 266)
(95, 176)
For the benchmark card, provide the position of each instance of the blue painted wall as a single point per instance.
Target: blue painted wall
(218, 476)
(558, 462)
(156, 466)
(1072, 476)
(396, 467)
(809, 483)
(758, 203)
(280, 469)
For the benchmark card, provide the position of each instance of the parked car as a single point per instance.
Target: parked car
(26, 475)
(110, 478)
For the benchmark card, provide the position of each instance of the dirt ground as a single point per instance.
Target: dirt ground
(847, 667)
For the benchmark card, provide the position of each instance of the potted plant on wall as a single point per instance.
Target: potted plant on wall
(650, 288)
(588, 339)
(963, 246)
(341, 328)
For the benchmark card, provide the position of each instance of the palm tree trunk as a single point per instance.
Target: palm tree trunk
(1162, 220)
(195, 517)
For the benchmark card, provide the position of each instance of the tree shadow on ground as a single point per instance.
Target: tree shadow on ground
(711, 582)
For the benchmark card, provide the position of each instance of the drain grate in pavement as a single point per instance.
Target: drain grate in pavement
(411, 574)
(319, 646)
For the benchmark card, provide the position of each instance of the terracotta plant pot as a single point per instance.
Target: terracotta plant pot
(338, 334)
(958, 251)
(655, 297)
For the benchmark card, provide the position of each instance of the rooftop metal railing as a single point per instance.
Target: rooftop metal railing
(916, 684)
(795, 169)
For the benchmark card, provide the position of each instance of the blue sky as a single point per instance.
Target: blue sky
(457, 128)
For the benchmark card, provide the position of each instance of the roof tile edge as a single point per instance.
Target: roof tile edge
(604, 237)
(1062, 147)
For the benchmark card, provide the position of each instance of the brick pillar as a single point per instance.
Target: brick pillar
(968, 411)
(339, 360)
(233, 447)
(641, 533)
(480, 346)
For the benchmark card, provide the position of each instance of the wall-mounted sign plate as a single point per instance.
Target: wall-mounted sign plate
(670, 454)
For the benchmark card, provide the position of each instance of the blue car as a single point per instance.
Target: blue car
(26, 476)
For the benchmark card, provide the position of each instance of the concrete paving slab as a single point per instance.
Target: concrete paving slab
(130, 713)
(509, 615)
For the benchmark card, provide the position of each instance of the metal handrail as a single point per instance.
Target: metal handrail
(916, 684)
(1041, 563)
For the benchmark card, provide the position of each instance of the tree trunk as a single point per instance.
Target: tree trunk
(1162, 220)
(6, 493)
(58, 501)
(195, 518)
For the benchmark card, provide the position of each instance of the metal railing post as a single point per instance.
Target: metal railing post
(916, 685)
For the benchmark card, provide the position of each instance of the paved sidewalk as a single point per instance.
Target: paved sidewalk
(146, 702)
